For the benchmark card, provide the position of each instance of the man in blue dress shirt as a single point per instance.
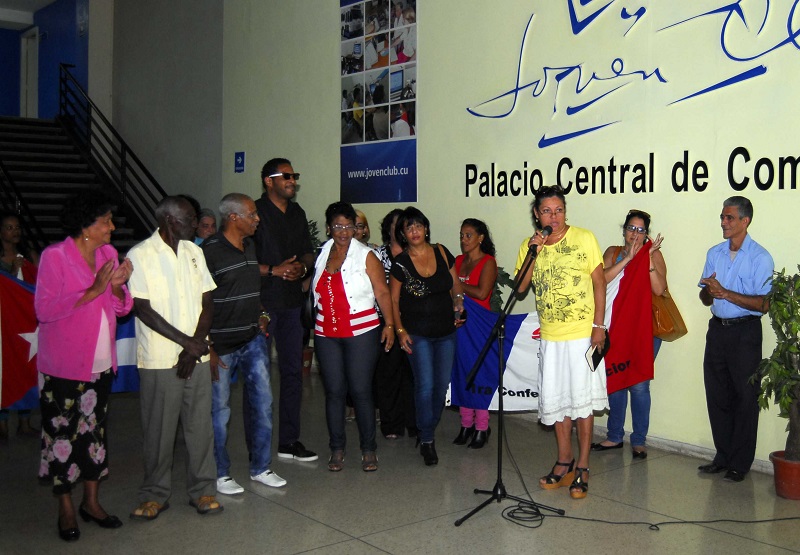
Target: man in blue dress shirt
(735, 280)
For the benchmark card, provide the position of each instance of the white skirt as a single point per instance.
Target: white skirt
(568, 388)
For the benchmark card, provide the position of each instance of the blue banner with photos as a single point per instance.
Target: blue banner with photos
(378, 66)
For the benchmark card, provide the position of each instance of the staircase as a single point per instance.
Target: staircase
(45, 162)
(48, 168)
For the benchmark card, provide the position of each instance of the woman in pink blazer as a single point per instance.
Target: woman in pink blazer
(80, 292)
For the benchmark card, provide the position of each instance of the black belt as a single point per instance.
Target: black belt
(734, 321)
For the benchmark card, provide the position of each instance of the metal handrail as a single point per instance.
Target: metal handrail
(33, 234)
(107, 151)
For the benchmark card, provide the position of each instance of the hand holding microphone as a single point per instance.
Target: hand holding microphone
(538, 240)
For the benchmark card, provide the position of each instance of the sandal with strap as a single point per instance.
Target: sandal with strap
(206, 505)
(553, 480)
(336, 461)
(369, 462)
(149, 510)
(579, 486)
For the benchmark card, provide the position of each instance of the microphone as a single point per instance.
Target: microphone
(532, 250)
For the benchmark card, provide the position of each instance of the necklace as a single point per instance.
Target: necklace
(553, 239)
(422, 261)
(335, 260)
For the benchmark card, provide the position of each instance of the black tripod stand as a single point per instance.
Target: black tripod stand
(498, 493)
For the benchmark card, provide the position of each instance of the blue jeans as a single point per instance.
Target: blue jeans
(640, 409)
(347, 365)
(432, 363)
(251, 361)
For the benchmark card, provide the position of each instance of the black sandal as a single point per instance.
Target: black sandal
(579, 486)
(336, 461)
(553, 480)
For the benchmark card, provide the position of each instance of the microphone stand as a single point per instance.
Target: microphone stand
(498, 493)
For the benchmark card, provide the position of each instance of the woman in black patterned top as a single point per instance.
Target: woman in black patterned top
(428, 302)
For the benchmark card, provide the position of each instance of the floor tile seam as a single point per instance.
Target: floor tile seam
(313, 549)
(679, 520)
(455, 512)
(760, 542)
(350, 536)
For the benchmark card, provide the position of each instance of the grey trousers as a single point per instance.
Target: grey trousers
(166, 401)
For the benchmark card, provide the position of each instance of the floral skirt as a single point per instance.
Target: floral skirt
(73, 430)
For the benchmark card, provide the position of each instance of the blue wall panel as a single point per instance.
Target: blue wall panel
(60, 43)
(9, 72)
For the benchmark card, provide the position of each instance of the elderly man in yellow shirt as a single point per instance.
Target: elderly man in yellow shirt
(172, 296)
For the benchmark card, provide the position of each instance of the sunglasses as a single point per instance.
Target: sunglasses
(636, 212)
(635, 228)
(286, 175)
(548, 189)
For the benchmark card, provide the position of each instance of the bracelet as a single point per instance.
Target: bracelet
(389, 325)
(269, 272)
(398, 331)
(459, 296)
(601, 326)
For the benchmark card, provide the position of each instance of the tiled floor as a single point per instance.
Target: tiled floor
(407, 507)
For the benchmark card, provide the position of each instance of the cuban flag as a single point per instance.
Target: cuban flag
(127, 378)
(19, 343)
(521, 353)
(629, 320)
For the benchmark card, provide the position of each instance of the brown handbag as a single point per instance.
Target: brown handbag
(668, 325)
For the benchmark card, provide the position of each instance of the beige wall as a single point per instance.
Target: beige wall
(101, 54)
(280, 58)
(281, 97)
(168, 90)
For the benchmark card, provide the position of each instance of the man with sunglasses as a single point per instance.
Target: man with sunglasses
(285, 255)
(736, 277)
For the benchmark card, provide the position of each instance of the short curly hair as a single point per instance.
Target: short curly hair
(81, 211)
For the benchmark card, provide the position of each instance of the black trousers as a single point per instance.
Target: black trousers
(394, 392)
(731, 357)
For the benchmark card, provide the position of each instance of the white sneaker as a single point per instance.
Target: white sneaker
(228, 486)
(269, 478)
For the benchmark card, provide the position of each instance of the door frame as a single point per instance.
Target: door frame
(29, 73)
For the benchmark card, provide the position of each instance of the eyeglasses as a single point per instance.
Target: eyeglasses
(362, 227)
(635, 228)
(547, 212)
(336, 228)
(251, 215)
(286, 175)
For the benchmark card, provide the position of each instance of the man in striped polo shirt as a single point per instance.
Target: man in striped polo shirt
(239, 342)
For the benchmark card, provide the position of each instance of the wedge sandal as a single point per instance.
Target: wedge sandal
(554, 481)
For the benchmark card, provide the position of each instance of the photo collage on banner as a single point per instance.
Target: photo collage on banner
(378, 103)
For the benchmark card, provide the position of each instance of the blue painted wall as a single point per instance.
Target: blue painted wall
(60, 42)
(9, 72)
